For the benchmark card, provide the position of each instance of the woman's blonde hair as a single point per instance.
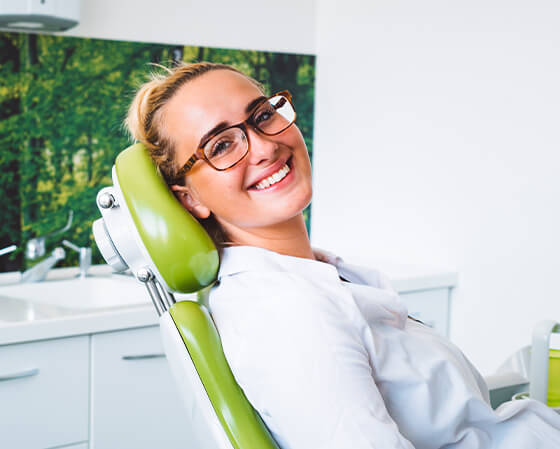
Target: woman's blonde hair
(145, 122)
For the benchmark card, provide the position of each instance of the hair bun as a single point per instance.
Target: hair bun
(140, 110)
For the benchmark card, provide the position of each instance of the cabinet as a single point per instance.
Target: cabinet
(114, 389)
(431, 307)
(134, 400)
(44, 393)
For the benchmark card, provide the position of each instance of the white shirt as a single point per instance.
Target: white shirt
(333, 364)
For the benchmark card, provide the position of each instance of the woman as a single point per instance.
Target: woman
(323, 350)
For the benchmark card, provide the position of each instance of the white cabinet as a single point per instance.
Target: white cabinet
(431, 307)
(134, 400)
(44, 393)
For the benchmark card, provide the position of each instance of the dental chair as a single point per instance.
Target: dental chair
(145, 229)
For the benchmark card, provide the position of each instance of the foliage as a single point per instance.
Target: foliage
(62, 102)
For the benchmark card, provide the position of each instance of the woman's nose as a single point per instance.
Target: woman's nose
(261, 147)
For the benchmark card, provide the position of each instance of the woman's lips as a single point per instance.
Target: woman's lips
(279, 178)
(269, 171)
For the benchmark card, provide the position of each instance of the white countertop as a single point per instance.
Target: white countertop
(34, 321)
(22, 320)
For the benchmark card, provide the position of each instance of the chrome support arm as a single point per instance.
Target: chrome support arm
(161, 298)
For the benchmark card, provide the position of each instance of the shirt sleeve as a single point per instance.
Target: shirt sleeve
(300, 358)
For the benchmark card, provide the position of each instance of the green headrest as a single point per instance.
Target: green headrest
(181, 250)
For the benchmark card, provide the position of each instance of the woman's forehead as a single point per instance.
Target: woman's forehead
(199, 105)
(219, 91)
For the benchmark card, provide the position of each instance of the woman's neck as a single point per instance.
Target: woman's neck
(289, 237)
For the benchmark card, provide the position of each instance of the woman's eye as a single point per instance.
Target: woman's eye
(220, 147)
(263, 116)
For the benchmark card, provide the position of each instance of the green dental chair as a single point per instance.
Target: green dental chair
(144, 228)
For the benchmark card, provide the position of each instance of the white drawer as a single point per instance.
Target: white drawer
(135, 403)
(431, 307)
(44, 393)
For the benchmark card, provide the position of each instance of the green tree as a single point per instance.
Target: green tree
(62, 102)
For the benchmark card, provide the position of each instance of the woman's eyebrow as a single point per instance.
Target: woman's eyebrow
(222, 125)
(214, 130)
(254, 103)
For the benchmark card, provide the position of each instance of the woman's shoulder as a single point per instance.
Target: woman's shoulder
(253, 269)
(353, 273)
(263, 289)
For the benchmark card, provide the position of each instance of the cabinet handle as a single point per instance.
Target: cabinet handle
(143, 356)
(21, 375)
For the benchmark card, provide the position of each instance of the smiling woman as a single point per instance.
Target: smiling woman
(232, 156)
(323, 350)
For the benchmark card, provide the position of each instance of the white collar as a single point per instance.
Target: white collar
(237, 259)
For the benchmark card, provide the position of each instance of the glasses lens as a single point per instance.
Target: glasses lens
(274, 115)
(226, 148)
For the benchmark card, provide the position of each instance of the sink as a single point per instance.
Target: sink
(17, 310)
(77, 294)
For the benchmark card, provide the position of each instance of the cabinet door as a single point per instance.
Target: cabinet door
(44, 393)
(431, 307)
(134, 401)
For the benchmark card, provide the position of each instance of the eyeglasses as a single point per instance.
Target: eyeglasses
(227, 147)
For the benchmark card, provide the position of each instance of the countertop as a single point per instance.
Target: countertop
(58, 322)
(40, 321)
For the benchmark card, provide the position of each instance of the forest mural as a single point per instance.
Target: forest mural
(62, 103)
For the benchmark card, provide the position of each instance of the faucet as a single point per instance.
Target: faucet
(8, 249)
(35, 248)
(39, 271)
(85, 257)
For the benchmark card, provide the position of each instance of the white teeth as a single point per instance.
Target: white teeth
(274, 178)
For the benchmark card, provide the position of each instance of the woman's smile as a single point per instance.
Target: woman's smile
(274, 166)
(275, 181)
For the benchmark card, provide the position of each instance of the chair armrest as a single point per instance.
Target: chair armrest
(502, 387)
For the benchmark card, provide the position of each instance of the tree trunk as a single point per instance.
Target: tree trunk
(200, 56)
(34, 144)
(89, 160)
(10, 213)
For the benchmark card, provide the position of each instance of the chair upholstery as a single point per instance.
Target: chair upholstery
(148, 228)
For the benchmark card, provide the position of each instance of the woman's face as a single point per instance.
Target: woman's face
(231, 195)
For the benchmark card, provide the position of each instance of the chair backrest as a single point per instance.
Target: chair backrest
(545, 365)
(144, 228)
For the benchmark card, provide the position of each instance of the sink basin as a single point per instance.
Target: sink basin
(77, 294)
(18, 310)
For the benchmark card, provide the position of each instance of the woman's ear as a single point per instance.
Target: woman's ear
(189, 202)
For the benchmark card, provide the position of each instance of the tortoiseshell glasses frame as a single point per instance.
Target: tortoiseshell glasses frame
(200, 153)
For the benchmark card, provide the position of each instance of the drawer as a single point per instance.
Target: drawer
(135, 402)
(44, 393)
(431, 307)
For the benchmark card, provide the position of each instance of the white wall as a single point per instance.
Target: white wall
(286, 26)
(438, 143)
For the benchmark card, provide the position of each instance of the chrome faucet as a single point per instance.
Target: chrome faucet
(8, 250)
(39, 271)
(85, 257)
(35, 248)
